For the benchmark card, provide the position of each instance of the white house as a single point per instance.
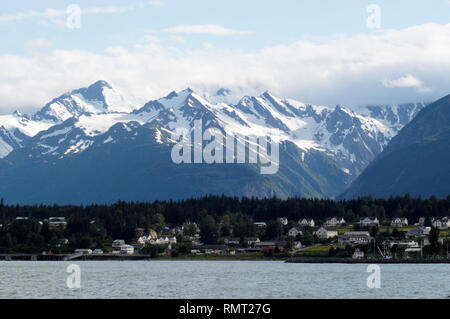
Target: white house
(358, 254)
(127, 250)
(306, 222)
(418, 232)
(57, 222)
(283, 221)
(324, 233)
(260, 224)
(448, 221)
(422, 221)
(442, 223)
(158, 241)
(369, 221)
(355, 237)
(166, 240)
(252, 240)
(142, 240)
(334, 222)
(162, 241)
(294, 232)
(117, 243)
(399, 222)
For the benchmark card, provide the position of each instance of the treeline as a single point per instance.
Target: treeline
(97, 225)
(178, 212)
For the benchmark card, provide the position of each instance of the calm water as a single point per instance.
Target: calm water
(220, 279)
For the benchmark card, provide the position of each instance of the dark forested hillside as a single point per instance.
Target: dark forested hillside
(178, 212)
(99, 224)
(416, 161)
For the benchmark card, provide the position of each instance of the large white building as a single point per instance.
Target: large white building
(158, 241)
(369, 221)
(399, 222)
(294, 232)
(418, 232)
(334, 222)
(306, 222)
(127, 250)
(355, 237)
(57, 222)
(324, 233)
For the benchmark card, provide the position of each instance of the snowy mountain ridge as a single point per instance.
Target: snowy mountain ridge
(77, 120)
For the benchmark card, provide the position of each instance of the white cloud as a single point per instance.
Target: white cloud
(176, 39)
(208, 46)
(121, 9)
(346, 70)
(406, 81)
(47, 13)
(212, 29)
(38, 43)
(54, 15)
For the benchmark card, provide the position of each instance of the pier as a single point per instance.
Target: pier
(368, 261)
(73, 256)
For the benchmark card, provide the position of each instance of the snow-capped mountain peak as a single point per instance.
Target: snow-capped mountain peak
(77, 120)
(97, 98)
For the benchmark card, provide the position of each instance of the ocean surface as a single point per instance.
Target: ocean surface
(219, 279)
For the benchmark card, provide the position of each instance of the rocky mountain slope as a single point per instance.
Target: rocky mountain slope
(416, 161)
(91, 145)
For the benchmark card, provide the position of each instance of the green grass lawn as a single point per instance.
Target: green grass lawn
(444, 233)
(316, 251)
(390, 228)
(318, 248)
(321, 248)
(341, 230)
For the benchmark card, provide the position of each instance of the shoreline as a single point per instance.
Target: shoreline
(368, 261)
(305, 260)
(61, 257)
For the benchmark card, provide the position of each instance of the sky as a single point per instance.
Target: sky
(329, 52)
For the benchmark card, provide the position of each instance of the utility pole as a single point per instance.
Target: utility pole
(374, 248)
(421, 248)
(447, 244)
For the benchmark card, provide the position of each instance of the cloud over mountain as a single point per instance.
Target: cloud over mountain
(388, 66)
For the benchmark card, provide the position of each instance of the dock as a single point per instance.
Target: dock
(73, 256)
(300, 260)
